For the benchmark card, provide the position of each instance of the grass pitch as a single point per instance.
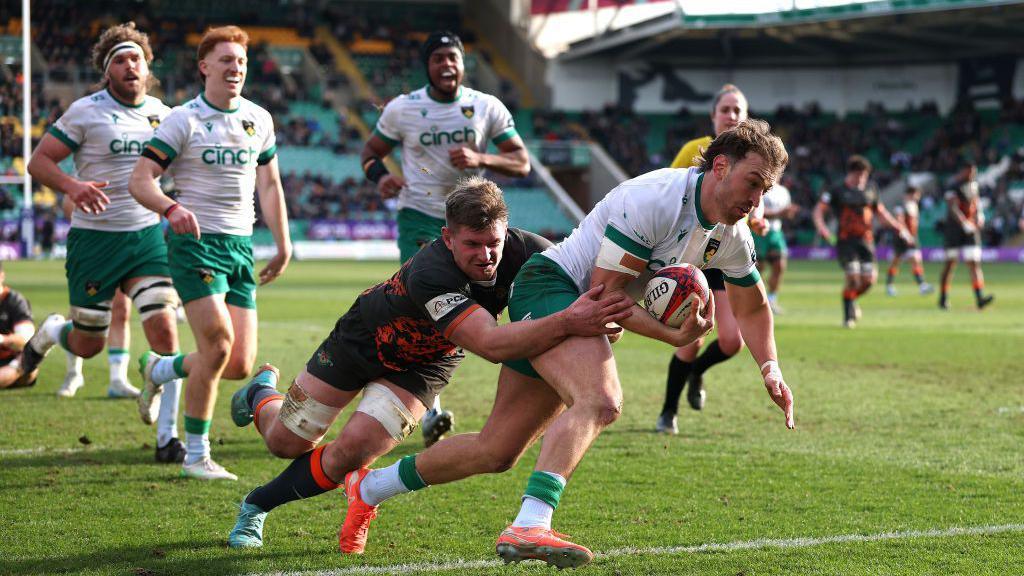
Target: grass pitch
(912, 422)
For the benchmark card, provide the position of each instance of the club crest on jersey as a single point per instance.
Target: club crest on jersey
(468, 111)
(323, 358)
(711, 250)
(205, 274)
(249, 127)
(154, 121)
(92, 287)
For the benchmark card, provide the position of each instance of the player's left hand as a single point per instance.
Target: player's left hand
(464, 157)
(275, 267)
(779, 391)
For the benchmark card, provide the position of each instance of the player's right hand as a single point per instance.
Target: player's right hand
(700, 321)
(590, 316)
(88, 196)
(390, 185)
(183, 222)
(780, 393)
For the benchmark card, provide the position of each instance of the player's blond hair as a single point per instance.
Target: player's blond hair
(476, 203)
(747, 137)
(115, 35)
(217, 35)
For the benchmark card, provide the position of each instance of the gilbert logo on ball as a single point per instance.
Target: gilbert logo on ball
(673, 290)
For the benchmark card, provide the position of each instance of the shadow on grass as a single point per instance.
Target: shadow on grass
(147, 560)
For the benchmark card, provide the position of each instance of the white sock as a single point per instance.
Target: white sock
(167, 421)
(74, 364)
(198, 446)
(52, 334)
(163, 371)
(118, 362)
(771, 297)
(534, 513)
(381, 484)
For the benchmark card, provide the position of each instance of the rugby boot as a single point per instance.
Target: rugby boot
(926, 289)
(248, 530)
(356, 529)
(149, 396)
(122, 389)
(985, 301)
(171, 453)
(206, 469)
(39, 345)
(890, 290)
(516, 544)
(435, 425)
(241, 412)
(667, 424)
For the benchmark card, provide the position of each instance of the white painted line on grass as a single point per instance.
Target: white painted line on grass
(674, 550)
(43, 450)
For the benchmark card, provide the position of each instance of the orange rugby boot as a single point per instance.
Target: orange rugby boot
(355, 530)
(538, 543)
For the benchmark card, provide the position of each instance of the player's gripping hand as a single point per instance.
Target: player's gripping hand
(183, 221)
(88, 196)
(590, 316)
(757, 225)
(464, 157)
(275, 267)
(778, 390)
(700, 321)
(390, 185)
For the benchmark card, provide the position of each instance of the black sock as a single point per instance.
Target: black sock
(712, 355)
(978, 295)
(678, 371)
(303, 478)
(943, 298)
(848, 313)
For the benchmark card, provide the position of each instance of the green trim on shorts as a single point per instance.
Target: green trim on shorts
(774, 242)
(99, 261)
(749, 280)
(214, 264)
(541, 288)
(626, 243)
(60, 135)
(416, 230)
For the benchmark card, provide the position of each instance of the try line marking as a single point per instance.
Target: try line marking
(674, 550)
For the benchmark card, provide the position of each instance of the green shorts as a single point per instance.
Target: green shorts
(98, 262)
(541, 288)
(214, 264)
(416, 230)
(770, 245)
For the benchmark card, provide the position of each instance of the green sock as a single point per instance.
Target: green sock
(408, 475)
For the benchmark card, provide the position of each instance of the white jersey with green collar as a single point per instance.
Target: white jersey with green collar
(427, 129)
(214, 155)
(106, 137)
(650, 222)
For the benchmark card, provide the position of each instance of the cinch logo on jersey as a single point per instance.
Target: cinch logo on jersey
(438, 137)
(443, 304)
(221, 156)
(126, 146)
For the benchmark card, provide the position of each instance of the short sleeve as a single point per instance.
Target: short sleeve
(632, 231)
(171, 136)
(738, 259)
(20, 309)
(501, 125)
(443, 303)
(269, 147)
(389, 127)
(70, 128)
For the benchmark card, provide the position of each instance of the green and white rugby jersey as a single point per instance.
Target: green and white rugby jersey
(427, 129)
(106, 137)
(650, 222)
(215, 153)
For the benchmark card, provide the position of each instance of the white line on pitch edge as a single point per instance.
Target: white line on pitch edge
(42, 450)
(760, 543)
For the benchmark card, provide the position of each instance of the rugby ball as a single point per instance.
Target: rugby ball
(673, 290)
